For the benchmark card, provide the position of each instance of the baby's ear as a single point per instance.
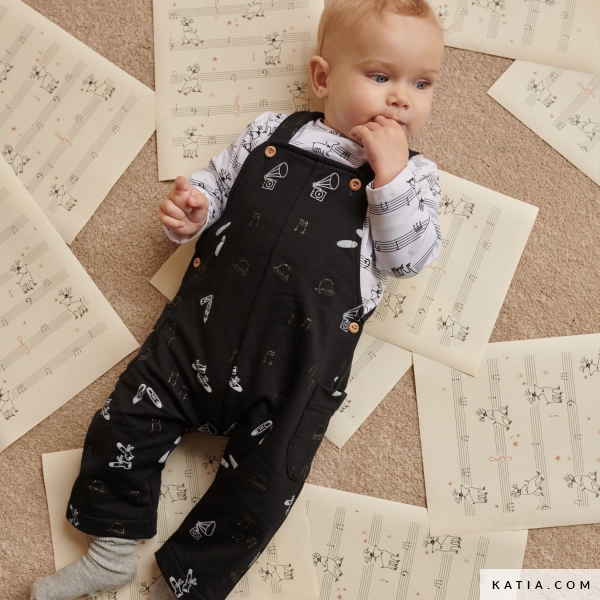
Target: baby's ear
(319, 74)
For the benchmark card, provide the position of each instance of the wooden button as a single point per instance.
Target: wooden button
(353, 327)
(355, 184)
(270, 151)
(197, 262)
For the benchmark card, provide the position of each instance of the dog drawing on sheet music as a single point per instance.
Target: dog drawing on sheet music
(540, 392)
(25, 278)
(499, 416)
(177, 493)
(461, 209)
(255, 9)
(190, 145)
(4, 69)
(104, 90)
(189, 35)
(531, 487)
(64, 198)
(491, 4)
(542, 93)
(331, 564)
(466, 495)
(191, 82)
(393, 302)
(273, 56)
(48, 82)
(386, 558)
(18, 161)
(78, 309)
(300, 102)
(448, 543)
(587, 482)
(7, 408)
(591, 366)
(456, 330)
(590, 128)
(278, 572)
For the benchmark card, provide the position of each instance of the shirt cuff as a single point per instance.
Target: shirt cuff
(183, 239)
(396, 186)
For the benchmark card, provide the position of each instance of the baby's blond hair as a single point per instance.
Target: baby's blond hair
(342, 13)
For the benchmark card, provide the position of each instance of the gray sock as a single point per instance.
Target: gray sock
(109, 563)
(161, 590)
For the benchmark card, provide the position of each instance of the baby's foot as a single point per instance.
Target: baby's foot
(109, 563)
(161, 591)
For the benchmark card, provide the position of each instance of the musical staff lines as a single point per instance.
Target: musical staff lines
(493, 25)
(235, 9)
(18, 43)
(4, 193)
(14, 227)
(462, 437)
(162, 524)
(530, 20)
(72, 350)
(3, 11)
(53, 103)
(191, 472)
(112, 129)
(546, 84)
(471, 275)
(499, 434)
(367, 572)
(574, 429)
(30, 256)
(64, 143)
(438, 270)
(288, 70)
(34, 297)
(567, 24)
(441, 583)
(459, 18)
(410, 546)
(231, 109)
(537, 434)
(333, 549)
(207, 140)
(27, 84)
(26, 347)
(235, 42)
(482, 549)
(272, 558)
(587, 91)
(365, 358)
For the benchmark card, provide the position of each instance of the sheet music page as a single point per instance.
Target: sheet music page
(371, 549)
(58, 333)
(448, 311)
(169, 277)
(562, 107)
(518, 446)
(71, 122)
(377, 366)
(220, 64)
(559, 33)
(284, 569)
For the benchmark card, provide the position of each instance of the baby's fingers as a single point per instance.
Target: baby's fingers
(180, 194)
(170, 214)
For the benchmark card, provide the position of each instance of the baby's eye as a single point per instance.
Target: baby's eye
(421, 85)
(379, 78)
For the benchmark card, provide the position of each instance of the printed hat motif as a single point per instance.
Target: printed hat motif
(242, 267)
(283, 271)
(325, 288)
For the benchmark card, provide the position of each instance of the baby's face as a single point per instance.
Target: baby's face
(384, 68)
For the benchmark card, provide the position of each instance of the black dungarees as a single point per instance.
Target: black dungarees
(259, 341)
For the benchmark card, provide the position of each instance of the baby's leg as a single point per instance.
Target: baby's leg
(109, 563)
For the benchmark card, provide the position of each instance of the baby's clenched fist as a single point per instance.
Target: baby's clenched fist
(184, 209)
(386, 147)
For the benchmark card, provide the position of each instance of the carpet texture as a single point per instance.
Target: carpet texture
(555, 291)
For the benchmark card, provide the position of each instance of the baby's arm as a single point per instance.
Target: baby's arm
(404, 222)
(184, 210)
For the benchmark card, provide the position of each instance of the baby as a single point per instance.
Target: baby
(301, 221)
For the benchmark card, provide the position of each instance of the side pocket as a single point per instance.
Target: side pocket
(310, 431)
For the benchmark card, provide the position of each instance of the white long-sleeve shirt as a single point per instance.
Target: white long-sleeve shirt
(401, 233)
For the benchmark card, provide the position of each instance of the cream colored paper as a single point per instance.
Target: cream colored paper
(71, 122)
(560, 33)
(518, 446)
(282, 570)
(562, 107)
(169, 277)
(220, 64)
(448, 311)
(376, 368)
(370, 549)
(58, 333)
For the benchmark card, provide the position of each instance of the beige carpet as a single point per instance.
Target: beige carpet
(554, 292)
